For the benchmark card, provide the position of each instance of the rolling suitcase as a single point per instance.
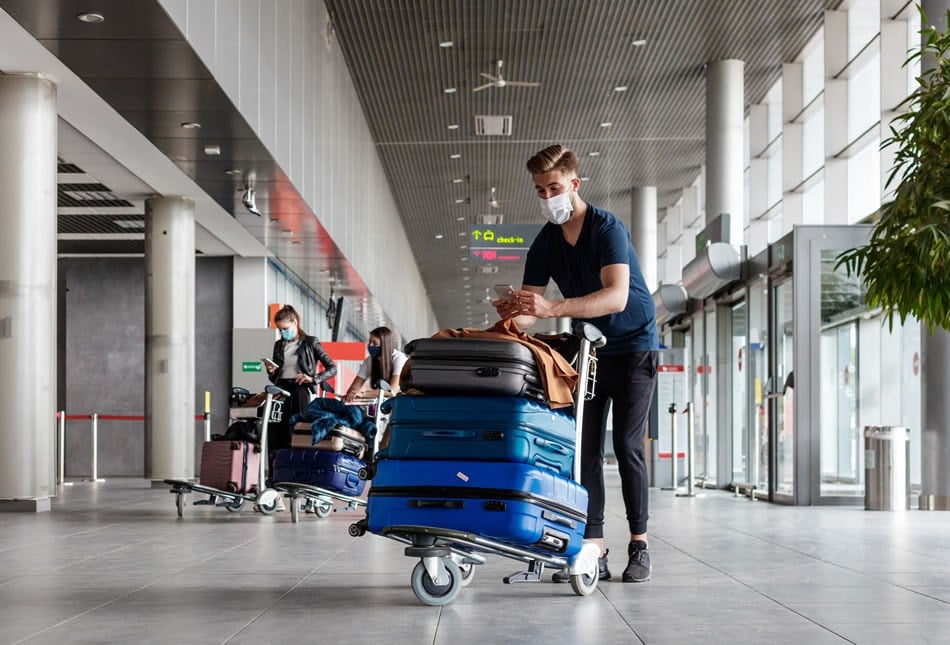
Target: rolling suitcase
(333, 470)
(340, 439)
(508, 502)
(474, 366)
(482, 428)
(230, 465)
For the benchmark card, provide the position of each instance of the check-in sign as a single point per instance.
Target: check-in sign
(502, 243)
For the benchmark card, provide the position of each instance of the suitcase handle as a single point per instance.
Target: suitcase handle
(352, 480)
(552, 446)
(487, 372)
(436, 503)
(454, 434)
(544, 463)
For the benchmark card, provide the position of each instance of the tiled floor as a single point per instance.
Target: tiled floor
(112, 564)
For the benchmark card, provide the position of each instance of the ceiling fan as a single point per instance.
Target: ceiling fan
(494, 201)
(499, 81)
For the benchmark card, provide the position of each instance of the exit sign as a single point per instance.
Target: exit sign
(252, 366)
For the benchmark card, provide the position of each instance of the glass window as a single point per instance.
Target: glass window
(783, 384)
(774, 102)
(741, 464)
(813, 204)
(774, 183)
(813, 141)
(864, 182)
(864, 97)
(775, 226)
(864, 23)
(813, 67)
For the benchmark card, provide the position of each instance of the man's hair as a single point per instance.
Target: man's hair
(556, 157)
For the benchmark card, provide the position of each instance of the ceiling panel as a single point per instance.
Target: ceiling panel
(580, 51)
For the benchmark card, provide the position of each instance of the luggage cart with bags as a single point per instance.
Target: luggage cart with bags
(335, 462)
(233, 470)
(514, 503)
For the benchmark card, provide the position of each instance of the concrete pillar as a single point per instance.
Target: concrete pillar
(935, 383)
(643, 232)
(170, 426)
(27, 292)
(725, 107)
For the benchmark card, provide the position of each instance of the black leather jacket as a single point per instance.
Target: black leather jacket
(309, 352)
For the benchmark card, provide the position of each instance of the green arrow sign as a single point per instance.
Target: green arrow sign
(252, 366)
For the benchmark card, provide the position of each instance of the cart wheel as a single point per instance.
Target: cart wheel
(468, 573)
(584, 584)
(323, 509)
(267, 501)
(180, 504)
(432, 594)
(236, 505)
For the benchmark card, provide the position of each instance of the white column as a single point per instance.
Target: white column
(793, 145)
(643, 231)
(28, 137)
(896, 79)
(758, 175)
(725, 106)
(935, 356)
(170, 338)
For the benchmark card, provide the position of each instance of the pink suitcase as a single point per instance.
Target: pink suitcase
(230, 465)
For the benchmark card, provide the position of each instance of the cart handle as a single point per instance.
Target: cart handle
(590, 333)
(273, 390)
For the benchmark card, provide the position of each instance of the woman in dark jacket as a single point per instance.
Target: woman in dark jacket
(295, 369)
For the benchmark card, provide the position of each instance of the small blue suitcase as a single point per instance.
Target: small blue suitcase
(333, 470)
(482, 428)
(513, 503)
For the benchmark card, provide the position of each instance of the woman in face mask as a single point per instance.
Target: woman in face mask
(384, 363)
(294, 369)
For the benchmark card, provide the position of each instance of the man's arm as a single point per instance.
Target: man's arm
(529, 303)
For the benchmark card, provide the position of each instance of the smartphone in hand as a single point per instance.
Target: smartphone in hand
(504, 291)
(269, 363)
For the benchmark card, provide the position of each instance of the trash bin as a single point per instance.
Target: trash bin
(886, 468)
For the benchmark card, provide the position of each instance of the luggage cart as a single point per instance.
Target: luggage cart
(321, 499)
(265, 499)
(447, 557)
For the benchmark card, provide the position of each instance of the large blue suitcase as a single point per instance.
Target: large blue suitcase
(514, 503)
(482, 428)
(334, 470)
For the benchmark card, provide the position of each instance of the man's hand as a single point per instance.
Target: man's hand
(529, 303)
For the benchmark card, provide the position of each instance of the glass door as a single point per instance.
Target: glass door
(741, 438)
(782, 432)
(758, 387)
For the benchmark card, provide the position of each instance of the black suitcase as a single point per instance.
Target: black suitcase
(474, 366)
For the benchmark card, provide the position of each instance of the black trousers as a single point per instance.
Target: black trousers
(628, 381)
(278, 434)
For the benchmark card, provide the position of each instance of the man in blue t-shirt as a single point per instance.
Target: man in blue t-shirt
(588, 254)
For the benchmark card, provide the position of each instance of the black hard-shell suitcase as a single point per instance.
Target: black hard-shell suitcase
(474, 366)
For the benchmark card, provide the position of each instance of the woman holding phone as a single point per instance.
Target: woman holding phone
(293, 367)
(384, 363)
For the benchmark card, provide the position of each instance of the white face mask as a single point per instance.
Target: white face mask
(557, 209)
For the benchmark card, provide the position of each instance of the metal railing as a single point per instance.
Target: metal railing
(94, 418)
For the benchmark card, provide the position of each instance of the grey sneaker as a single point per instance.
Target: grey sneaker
(639, 567)
(564, 576)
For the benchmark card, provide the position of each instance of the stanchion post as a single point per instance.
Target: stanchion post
(95, 446)
(61, 447)
(689, 453)
(207, 416)
(673, 457)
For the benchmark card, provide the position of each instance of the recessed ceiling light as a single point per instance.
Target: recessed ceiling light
(450, 90)
(606, 124)
(460, 219)
(585, 178)
(463, 234)
(464, 259)
(639, 42)
(445, 44)
(593, 153)
(212, 150)
(191, 125)
(295, 242)
(463, 247)
(232, 171)
(464, 268)
(277, 219)
(439, 236)
(620, 88)
(455, 156)
(466, 277)
(90, 17)
(457, 181)
(453, 126)
(461, 200)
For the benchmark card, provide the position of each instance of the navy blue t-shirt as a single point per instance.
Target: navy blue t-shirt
(604, 240)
